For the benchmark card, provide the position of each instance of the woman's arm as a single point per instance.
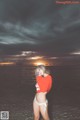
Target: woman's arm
(50, 83)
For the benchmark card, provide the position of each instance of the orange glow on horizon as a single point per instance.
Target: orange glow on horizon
(7, 63)
(40, 63)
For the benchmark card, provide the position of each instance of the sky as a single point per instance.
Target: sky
(41, 26)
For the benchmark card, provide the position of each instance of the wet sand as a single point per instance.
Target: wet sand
(17, 90)
(19, 104)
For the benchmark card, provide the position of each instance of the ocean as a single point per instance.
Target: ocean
(17, 90)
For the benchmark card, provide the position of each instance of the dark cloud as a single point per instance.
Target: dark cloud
(39, 25)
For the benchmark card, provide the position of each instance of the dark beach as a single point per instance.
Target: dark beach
(17, 90)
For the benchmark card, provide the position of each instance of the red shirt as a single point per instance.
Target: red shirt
(43, 84)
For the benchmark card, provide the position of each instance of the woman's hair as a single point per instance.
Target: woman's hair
(42, 67)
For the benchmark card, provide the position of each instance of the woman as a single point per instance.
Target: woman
(43, 86)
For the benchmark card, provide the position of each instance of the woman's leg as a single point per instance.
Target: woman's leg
(36, 110)
(44, 114)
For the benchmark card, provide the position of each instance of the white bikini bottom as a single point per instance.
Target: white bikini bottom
(42, 103)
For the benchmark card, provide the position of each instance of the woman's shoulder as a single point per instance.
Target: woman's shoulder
(38, 77)
(48, 75)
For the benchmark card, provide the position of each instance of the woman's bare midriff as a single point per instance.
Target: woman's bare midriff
(41, 97)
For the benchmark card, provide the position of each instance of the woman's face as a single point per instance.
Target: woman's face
(40, 72)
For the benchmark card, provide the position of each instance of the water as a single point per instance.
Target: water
(17, 90)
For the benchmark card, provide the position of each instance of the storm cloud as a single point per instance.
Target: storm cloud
(39, 25)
